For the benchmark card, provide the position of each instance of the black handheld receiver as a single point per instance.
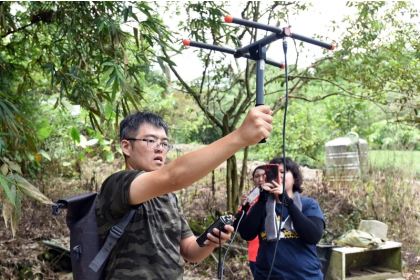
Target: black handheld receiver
(219, 224)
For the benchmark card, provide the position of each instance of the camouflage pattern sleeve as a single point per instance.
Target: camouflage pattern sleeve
(113, 200)
(185, 228)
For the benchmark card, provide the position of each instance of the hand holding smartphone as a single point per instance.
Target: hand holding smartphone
(272, 173)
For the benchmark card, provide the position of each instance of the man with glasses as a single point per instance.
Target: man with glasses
(158, 238)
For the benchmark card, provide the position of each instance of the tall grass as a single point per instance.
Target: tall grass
(390, 194)
(384, 159)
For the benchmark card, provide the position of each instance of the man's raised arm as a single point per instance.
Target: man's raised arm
(191, 167)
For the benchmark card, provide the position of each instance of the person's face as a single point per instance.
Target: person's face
(289, 178)
(259, 177)
(139, 155)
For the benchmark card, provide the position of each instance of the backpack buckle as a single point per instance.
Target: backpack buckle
(77, 252)
(116, 231)
(55, 208)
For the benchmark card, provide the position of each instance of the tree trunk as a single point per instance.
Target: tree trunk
(235, 186)
(213, 183)
(244, 172)
(232, 183)
(228, 185)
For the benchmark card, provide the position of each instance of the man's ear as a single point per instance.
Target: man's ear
(126, 147)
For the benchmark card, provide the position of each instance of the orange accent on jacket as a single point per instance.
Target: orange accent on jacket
(254, 244)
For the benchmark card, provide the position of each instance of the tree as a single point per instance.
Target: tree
(378, 58)
(94, 54)
(222, 95)
(374, 47)
(81, 49)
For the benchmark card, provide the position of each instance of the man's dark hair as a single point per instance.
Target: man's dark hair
(130, 125)
(294, 168)
(262, 167)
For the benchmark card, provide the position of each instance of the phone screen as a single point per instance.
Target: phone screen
(253, 194)
(272, 173)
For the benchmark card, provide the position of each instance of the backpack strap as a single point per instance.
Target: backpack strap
(115, 233)
(97, 265)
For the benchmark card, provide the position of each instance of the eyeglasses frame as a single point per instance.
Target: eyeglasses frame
(170, 146)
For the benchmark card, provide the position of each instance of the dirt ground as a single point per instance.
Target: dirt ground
(26, 257)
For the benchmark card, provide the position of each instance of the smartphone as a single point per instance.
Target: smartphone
(272, 173)
(253, 194)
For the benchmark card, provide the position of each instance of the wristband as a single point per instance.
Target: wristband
(287, 200)
(264, 196)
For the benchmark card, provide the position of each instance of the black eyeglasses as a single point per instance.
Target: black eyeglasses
(155, 145)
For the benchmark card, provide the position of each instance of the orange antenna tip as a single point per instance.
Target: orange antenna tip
(186, 42)
(228, 19)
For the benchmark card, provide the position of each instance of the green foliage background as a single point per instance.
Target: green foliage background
(70, 71)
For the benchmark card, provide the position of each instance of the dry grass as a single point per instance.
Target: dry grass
(387, 196)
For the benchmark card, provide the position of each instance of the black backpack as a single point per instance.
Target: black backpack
(87, 255)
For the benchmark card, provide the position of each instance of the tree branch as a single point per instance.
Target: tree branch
(193, 93)
(204, 72)
(17, 30)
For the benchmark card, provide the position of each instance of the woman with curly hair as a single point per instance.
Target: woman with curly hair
(300, 230)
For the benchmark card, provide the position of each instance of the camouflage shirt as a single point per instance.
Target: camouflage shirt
(150, 246)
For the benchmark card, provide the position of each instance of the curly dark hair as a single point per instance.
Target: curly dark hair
(294, 168)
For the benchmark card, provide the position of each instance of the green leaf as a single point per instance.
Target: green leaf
(109, 111)
(44, 132)
(125, 12)
(109, 156)
(14, 166)
(75, 134)
(115, 88)
(45, 155)
(7, 211)
(144, 6)
(106, 74)
(160, 61)
(101, 26)
(6, 188)
(120, 75)
(16, 213)
(4, 169)
(167, 60)
(111, 79)
(108, 64)
(31, 190)
(136, 36)
(133, 15)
